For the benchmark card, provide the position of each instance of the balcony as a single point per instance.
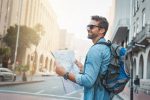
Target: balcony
(121, 30)
(135, 47)
(143, 37)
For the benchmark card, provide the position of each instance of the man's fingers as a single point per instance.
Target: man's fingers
(76, 61)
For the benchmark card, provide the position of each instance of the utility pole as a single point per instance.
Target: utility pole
(1, 40)
(18, 30)
(133, 44)
(1, 48)
(131, 74)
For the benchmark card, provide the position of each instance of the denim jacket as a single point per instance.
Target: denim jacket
(97, 60)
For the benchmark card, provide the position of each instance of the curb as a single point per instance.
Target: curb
(121, 98)
(19, 82)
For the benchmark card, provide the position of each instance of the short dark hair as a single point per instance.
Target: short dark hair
(103, 23)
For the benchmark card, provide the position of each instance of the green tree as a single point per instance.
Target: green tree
(39, 29)
(27, 37)
(22, 69)
(4, 56)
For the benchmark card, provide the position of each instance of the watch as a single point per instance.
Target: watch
(66, 75)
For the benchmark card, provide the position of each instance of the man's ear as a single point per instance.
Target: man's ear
(102, 30)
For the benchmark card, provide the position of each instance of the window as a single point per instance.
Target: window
(1, 8)
(143, 18)
(137, 27)
(133, 9)
(134, 30)
(138, 5)
(7, 11)
(135, 5)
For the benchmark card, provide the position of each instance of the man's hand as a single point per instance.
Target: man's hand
(59, 69)
(79, 64)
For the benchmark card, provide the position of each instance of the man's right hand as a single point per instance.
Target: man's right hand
(79, 64)
(59, 69)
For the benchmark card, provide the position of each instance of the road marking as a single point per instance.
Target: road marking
(72, 93)
(55, 87)
(39, 92)
(48, 95)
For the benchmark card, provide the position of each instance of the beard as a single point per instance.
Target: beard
(92, 36)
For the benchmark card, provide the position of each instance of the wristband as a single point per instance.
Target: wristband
(66, 75)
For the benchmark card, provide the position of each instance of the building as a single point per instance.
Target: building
(33, 12)
(140, 30)
(66, 40)
(121, 22)
(4, 16)
(132, 25)
(131, 29)
(63, 34)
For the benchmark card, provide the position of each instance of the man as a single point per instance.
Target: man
(96, 63)
(137, 83)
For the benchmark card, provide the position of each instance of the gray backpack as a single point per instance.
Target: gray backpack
(116, 76)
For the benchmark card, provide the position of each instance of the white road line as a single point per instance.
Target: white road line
(74, 92)
(71, 92)
(39, 92)
(49, 95)
(55, 87)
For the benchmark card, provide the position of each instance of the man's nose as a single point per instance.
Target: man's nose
(88, 30)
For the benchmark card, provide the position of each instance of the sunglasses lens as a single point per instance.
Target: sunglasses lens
(89, 27)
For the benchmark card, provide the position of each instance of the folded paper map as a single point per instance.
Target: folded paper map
(66, 58)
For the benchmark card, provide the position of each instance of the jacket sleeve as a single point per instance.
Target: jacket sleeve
(92, 67)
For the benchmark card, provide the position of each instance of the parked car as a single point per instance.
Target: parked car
(7, 74)
(46, 74)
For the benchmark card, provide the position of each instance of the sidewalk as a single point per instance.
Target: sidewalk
(30, 79)
(11, 96)
(123, 96)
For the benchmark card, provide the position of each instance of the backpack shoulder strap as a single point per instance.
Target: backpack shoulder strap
(108, 43)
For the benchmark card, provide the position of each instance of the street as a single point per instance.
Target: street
(50, 89)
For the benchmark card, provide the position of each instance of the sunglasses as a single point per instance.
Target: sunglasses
(90, 27)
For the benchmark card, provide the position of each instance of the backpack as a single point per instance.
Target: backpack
(116, 76)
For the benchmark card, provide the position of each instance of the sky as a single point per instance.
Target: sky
(74, 15)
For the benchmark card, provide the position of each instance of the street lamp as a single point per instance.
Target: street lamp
(18, 31)
(132, 45)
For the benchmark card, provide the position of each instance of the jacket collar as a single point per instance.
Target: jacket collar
(101, 40)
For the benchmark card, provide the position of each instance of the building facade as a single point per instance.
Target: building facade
(4, 16)
(140, 22)
(33, 12)
(132, 30)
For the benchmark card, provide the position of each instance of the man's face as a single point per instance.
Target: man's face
(93, 29)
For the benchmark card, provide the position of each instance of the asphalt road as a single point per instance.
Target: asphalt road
(50, 89)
